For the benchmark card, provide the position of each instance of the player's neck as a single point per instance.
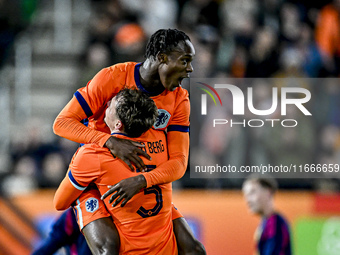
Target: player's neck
(149, 77)
(268, 210)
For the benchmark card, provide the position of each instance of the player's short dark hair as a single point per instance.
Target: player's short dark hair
(265, 182)
(164, 40)
(136, 110)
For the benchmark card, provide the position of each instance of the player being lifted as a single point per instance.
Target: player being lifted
(145, 223)
(169, 54)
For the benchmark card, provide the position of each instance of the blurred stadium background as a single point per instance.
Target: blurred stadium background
(48, 49)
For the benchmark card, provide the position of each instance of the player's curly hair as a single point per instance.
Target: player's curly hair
(164, 40)
(136, 110)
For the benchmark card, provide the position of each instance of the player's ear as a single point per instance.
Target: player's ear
(119, 125)
(162, 57)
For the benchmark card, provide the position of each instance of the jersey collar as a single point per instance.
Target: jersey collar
(118, 133)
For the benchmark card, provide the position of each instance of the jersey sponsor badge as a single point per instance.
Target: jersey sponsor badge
(162, 120)
(92, 204)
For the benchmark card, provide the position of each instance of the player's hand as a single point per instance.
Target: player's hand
(125, 190)
(127, 151)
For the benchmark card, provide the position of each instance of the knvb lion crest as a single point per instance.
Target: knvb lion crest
(162, 120)
(92, 204)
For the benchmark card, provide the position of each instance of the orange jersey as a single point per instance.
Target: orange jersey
(91, 101)
(85, 217)
(145, 222)
(173, 106)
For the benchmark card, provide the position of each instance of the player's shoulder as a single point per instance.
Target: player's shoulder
(122, 67)
(277, 219)
(178, 95)
(181, 92)
(281, 218)
(91, 149)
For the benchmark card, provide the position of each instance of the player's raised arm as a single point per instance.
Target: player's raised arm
(178, 145)
(175, 167)
(68, 125)
(88, 102)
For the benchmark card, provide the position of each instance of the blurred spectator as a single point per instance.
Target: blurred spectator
(328, 37)
(290, 63)
(40, 162)
(15, 16)
(23, 178)
(290, 24)
(153, 14)
(269, 11)
(263, 57)
(129, 42)
(239, 62)
(311, 57)
(232, 11)
(329, 149)
(53, 170)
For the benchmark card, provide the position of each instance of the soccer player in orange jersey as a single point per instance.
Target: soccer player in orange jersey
(145, 223)
(169, 55)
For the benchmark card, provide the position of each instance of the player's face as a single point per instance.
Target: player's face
(256, 196)
(110, 114)
(177, 65)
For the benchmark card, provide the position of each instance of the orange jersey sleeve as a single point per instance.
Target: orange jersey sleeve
(175, 167)
(85, 161)
(68, 125)
(182, 112)
(177, 139)
(90, 103)
(65, 195)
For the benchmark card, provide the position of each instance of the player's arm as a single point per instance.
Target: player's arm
(68, 125)
(85, 103)
(67, 192)
(175, 167)
(178, 146)
(83, 170)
